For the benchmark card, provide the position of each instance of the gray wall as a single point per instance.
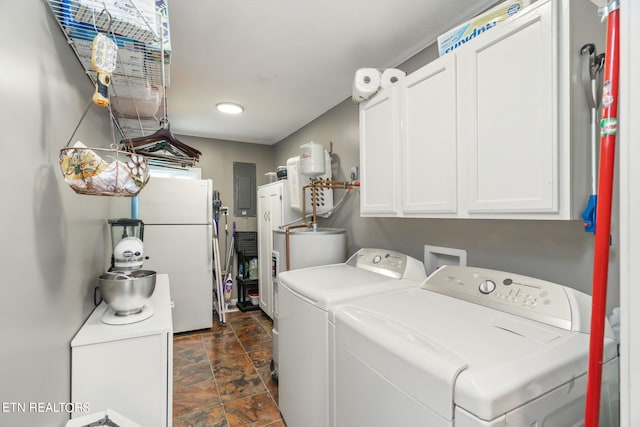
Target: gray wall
(53, 240)
(558, 251)
(216, 163)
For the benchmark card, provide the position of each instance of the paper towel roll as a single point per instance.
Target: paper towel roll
(391, 76)
(365, 83)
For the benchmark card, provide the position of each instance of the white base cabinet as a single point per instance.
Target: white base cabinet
(274, 210)
(127, 368)
(498, 128)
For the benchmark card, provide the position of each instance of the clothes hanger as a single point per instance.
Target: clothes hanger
(162, 135)
(163, 140)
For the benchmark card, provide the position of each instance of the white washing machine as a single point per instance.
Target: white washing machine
(470, 347)
(305, 299)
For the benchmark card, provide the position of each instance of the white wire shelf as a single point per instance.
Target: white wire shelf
(140, 29)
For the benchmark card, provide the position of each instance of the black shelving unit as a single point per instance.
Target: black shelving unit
(244, 286)
(246, 247)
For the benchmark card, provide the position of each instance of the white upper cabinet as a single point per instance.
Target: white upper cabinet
(408, 145)
(498, 128)
(380, 128)
(428, 145)
(507, 114)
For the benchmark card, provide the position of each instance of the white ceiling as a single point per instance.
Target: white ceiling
(288, 61)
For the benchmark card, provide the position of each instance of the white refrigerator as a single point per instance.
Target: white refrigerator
(177, 215)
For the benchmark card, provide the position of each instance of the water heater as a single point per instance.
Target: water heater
(307, 248)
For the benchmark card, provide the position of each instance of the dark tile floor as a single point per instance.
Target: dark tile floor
(222, 376)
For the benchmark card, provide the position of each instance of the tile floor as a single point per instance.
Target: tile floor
(222, 376)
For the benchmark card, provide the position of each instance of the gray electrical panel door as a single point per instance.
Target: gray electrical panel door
(244, 189)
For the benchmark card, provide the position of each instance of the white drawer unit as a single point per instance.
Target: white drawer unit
(127, 368)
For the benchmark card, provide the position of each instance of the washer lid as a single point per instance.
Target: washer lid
(456, 352)
(327, 285)
(418, 366)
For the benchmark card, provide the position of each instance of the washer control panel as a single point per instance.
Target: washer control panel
(385, 262)
(512, 293)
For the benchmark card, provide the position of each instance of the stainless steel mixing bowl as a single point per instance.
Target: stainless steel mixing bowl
(127, 292)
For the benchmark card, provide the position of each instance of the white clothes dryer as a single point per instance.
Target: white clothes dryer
(306, 297)
(470, 347)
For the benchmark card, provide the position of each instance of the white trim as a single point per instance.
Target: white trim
(628, 138)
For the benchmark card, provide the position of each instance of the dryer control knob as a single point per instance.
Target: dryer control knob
(487, 286)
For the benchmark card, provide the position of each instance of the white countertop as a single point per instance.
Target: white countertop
(95, 331)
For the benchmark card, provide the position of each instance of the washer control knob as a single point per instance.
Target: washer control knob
(487, 286)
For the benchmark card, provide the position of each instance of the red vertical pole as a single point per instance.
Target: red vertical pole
(608, 129)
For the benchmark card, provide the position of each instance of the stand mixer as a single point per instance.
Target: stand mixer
(125, 287)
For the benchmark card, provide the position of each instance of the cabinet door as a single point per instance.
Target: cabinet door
(264, 248)
(270, 216)
(127, 375)
(275, 220)
(507, 84)
(379, 146)
(429, 155)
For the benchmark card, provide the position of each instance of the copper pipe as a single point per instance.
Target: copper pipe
(344, 183)
(288, 244)
(314, 203)
(336, 184)
(314, 185)
(304, 204)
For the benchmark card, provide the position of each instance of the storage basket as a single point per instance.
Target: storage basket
(246, 243)
(254, 297)
(103, 172)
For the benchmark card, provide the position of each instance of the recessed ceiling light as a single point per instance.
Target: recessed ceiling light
(229, 108)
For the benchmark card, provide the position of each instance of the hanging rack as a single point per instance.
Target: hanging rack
(137, 54)
(90, 170)
(161, 147)
(63, 11)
